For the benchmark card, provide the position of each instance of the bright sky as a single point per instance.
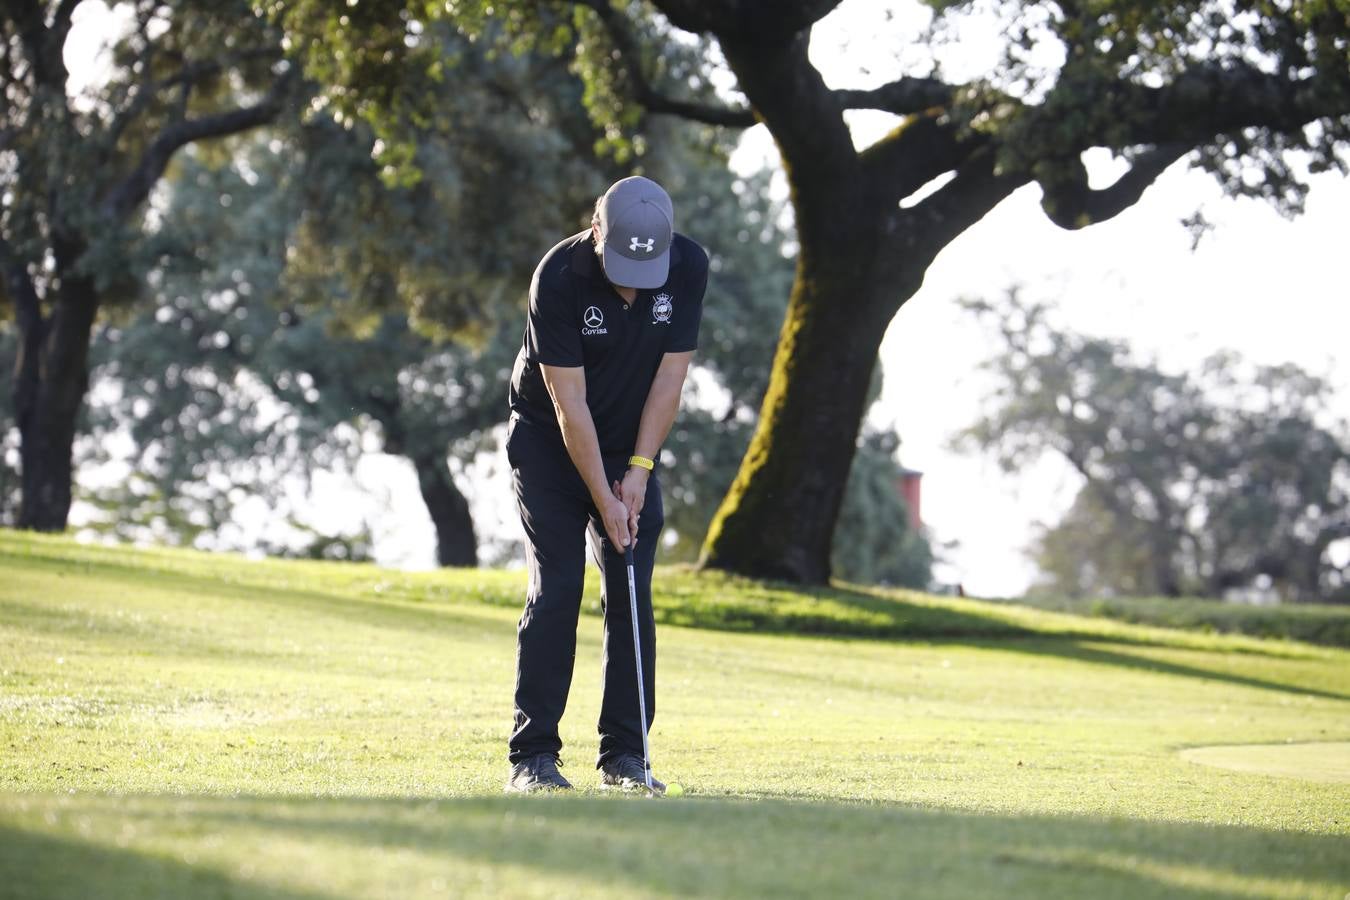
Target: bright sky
(1263, 286)
(1260, 285)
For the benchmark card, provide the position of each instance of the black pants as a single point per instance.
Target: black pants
(556, 510)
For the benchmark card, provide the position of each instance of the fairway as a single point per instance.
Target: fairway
(180, 724)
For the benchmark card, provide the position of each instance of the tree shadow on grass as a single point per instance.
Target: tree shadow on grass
(111, 632)
(893, 618)
(702, 848)
(45, 867)
(731, 603)
(848, 614)
(375, 611)
(1090, 651)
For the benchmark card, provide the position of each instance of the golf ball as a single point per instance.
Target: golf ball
(674, 790)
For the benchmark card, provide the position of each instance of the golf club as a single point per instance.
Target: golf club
(637, 655)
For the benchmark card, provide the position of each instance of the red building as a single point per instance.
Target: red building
(909, 484)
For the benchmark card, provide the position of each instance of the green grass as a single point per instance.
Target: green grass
(1314, 623)
(183, 724)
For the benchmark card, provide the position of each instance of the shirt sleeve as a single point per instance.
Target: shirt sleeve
(554, 335)
(688, 313)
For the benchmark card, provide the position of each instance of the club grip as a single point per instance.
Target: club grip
(628, 553)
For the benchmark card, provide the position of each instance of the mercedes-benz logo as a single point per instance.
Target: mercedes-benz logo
(594, 318)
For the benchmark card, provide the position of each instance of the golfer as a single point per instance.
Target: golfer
(613, 323)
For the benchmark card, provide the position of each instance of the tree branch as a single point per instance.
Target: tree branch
(192, 72)
(61, 19)
(1213, 100)
(807, 123)
(1071, 204)
(904, 96)
(1197, 106)
(187, 76)
(142, 93)
(978, 187)
(764, 22)
(919, 150)
(132, 190)
(630, 57)
(43, 46)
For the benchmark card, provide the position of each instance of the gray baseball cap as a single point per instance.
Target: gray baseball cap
(637, 223)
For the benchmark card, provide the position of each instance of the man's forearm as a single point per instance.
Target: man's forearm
(578, 431)
(658, 414)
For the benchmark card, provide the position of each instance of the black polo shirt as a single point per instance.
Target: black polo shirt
(578, 319)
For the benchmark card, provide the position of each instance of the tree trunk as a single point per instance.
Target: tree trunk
(1163, 553)
(862, 256)
(456, 544)
(51, 378)
(778, 518)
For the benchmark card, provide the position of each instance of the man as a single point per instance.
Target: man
(613, 323)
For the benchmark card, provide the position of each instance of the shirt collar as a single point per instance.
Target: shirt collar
(584, 262)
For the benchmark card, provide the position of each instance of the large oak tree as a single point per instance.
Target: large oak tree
(1230, 86)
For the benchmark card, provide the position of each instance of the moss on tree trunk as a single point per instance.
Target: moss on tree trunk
(778, 518)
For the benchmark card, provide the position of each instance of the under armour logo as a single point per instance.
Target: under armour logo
(636, 245)
(593, 318)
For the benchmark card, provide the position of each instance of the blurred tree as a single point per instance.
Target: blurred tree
(300, 291)
(1239, 91)
(195, 392)
(1092, 553)
(75, 173)
(1194, 483)
(874, 543)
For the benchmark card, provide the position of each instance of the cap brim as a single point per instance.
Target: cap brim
(637, 273)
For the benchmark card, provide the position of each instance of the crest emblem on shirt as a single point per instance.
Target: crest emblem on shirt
(662, 307)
